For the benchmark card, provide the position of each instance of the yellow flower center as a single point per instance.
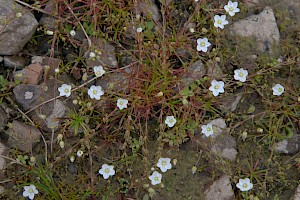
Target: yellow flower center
(202, 44)
(98, 73)
(245, 185)
(279, 89)
(231, 9)
(30, 190)
(216, 87)
(94, 91)
(241, 74)
(156, 178)
(121, 103)
(171, 120)
(219, 21)
(66, 90)
(106, 170)
(163, 163)
(208, 129)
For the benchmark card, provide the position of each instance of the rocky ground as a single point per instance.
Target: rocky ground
(256, 135)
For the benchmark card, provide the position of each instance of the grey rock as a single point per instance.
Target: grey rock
(48, 115)
(105, 54)
(231, 102)
(149, 9)
(3, 119)
(22, 94)
(59, 111)
(22, 137)
(220, 189)
(72, 169)
(220, 143)
(194, 72)
(288, 146)
(219, 126)
(116, 81)
(2, 160)
(47, 20)
(17, 62)
(214, 70)
(262, 28)
(296, 196)
(15, 31)
(224, 146)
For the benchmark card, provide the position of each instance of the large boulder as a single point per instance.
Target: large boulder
(15, 29)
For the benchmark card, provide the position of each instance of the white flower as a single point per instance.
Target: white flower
(164, 164)
(79, 153)
(107, 170)
(202, 44)
(232, 8)
(99, 71)
(56, 70)
(122, 103)
(155, 178)
(48, 32)
(240, 74)
(192, 30)
(30, 191)
(220, 21)
(95, 92)
(65, 90)
(139, 30)
(19, 14)
(217, 87)
(278, 89)
(92, 55)
(170, 121)
(244, 184)
(207, 130)
(72, 33)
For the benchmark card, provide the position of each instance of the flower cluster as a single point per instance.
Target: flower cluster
(164, 164)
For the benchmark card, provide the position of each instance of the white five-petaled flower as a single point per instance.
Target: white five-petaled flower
(164, 164)
(217, 87)
(155, 178)
(220, 21)
(65, 90)
(278, 89)
(207, 130)
(202, 44)
(99, 71)
(170, 121)
(79, 153)
(19, 14)
(72, 33)
(30, 191)
(95, 92)
(232, 8)
(244, 184)
(240, 74)
(122, 103)
(139, 29)
(107, 170)
(92, 54)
